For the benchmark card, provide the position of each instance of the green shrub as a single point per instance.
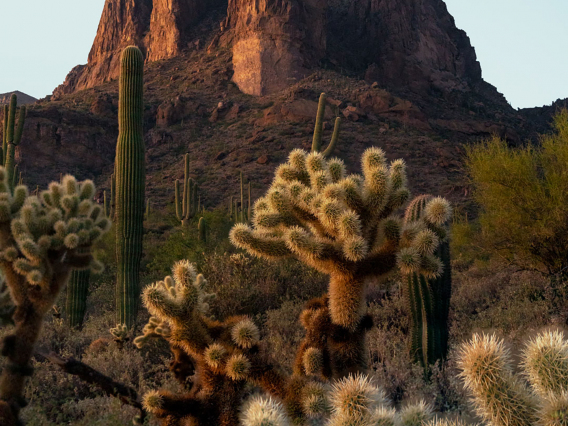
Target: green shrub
(523, 195)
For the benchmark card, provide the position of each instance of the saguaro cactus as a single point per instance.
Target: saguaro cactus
(202, 230)
(130, 184)
(13, 136)
(186, 204)
(427, 298)
(318, 131)
(77, 292)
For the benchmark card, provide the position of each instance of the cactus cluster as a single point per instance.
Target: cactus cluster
(502, 397)
(188, 204)
(12, 135)
(217, 361)
(224, 354)
(130, 175)
(427, 297)
(42, 240)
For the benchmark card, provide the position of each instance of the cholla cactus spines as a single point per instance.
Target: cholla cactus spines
(318, 130)
(341, 225)
(180, 302)
(6, 303)
(545, 362)
(42, 239)
(155, 328)
(13, 137)
(439, 421)
(262, 411)
(77, 291)
(497, 394)
(130, 171)
(415, 414)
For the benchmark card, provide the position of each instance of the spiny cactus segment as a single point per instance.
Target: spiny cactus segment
(12, 138)
(42, 240)
(77, 292)
(186, 204)
(501, 397)
(318, 130)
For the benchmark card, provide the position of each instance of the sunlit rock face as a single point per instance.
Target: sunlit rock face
(410, 44)
(159, 27)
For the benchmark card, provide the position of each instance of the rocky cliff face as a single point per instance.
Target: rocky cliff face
(412, 43)
(275, 42)
(408, 44)
(160, 28)
(23, 99)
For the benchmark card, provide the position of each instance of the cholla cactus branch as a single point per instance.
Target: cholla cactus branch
(42, 239)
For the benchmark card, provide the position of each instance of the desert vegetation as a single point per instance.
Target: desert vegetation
(335, 298)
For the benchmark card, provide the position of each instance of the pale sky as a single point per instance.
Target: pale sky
(522, 44)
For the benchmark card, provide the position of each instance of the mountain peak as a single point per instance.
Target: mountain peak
(401, 44)
(23, 99)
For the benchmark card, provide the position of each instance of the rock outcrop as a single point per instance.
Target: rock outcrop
(402, 44)
(23, 99)
(275, 42)
(160, 28)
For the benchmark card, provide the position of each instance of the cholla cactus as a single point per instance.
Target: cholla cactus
(341, 225)
(352, 401)
(501, 397)
(224, 354)
(6, 303)
(42, 239)
(344, 226)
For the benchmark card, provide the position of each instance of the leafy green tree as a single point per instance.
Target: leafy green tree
(523, 196)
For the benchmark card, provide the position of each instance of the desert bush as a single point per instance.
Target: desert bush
(523, 196)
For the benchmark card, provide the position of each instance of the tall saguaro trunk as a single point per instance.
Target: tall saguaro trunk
(130, 185)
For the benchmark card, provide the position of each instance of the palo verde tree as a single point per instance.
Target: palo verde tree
(523, 197)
